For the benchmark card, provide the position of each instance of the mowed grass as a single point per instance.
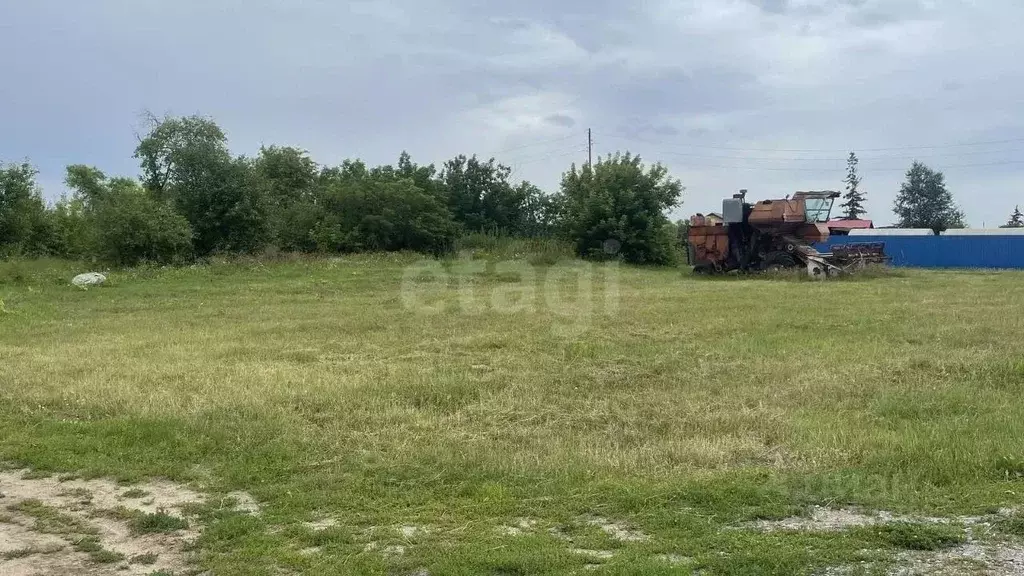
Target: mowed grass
(459, 397)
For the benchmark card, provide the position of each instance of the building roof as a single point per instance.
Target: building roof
(850, 224)
(893, 232)
(984, 232)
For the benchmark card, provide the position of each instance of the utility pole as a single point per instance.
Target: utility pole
(590, 149)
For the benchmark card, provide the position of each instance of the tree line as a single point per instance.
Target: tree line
(194, 199)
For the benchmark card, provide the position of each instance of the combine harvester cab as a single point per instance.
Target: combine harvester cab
(774, 235)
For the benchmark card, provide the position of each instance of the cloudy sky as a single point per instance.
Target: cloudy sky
(767, 95)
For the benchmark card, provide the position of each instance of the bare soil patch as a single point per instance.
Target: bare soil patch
(979, 554)
(55, 525)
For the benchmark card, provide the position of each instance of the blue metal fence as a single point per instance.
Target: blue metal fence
(945, 251)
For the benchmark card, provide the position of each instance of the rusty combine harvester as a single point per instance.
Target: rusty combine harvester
(775, 235)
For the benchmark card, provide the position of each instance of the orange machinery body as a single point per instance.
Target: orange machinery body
(781, 218)
(787, 217)
(710, 242)
(778, 216)
(774, 235)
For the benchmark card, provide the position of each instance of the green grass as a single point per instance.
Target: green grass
(682, 406)
(1013, 525)
(140, 522)
(911, 536)
(160, 522)
(97, 553)
(49, 520)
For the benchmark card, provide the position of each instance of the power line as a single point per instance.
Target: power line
(658, 148)
(516, 166)
(864, 167)
(830, 159)
(563, 154)
(532, 144)
(823, 150)
(539, 153)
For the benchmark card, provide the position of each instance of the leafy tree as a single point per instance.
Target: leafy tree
(288, 180)
(854, 205)
(349, 171)
(90, 184)
(539, 215)
(682, 233)
(175, 151)
(23, 218)
(1016, 219)
(375, 210)
(618, 207)
(75, 232)
(481, 198)
(226, 210)
(289, 174)
(118, 221)
(424, 177)
(186, 160)
(71, 231)
(924, 201)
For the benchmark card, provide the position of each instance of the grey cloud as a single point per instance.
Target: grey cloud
(561, 120)
(773, 6)
(857, 13)
(874, 14)
(369, 78)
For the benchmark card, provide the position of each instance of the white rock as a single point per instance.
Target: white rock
(89, 279)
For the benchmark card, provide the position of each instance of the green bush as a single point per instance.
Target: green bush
(72, 235)
(296, 225)
(117, 221)
(616, 209)
(133, 227)
(24, 226)
(370, 213)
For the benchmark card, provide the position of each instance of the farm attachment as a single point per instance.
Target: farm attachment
(775, 235)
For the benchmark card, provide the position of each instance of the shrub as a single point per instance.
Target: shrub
(132, 227)
(72, 235)
(118, 221)
(24, 227)
(617, 209)
(481, 198)
(367, 214)
(296, 225)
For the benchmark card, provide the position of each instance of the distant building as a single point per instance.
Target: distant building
(843, 227)
(714, 219)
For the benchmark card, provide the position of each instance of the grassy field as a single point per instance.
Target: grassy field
(513, 417)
